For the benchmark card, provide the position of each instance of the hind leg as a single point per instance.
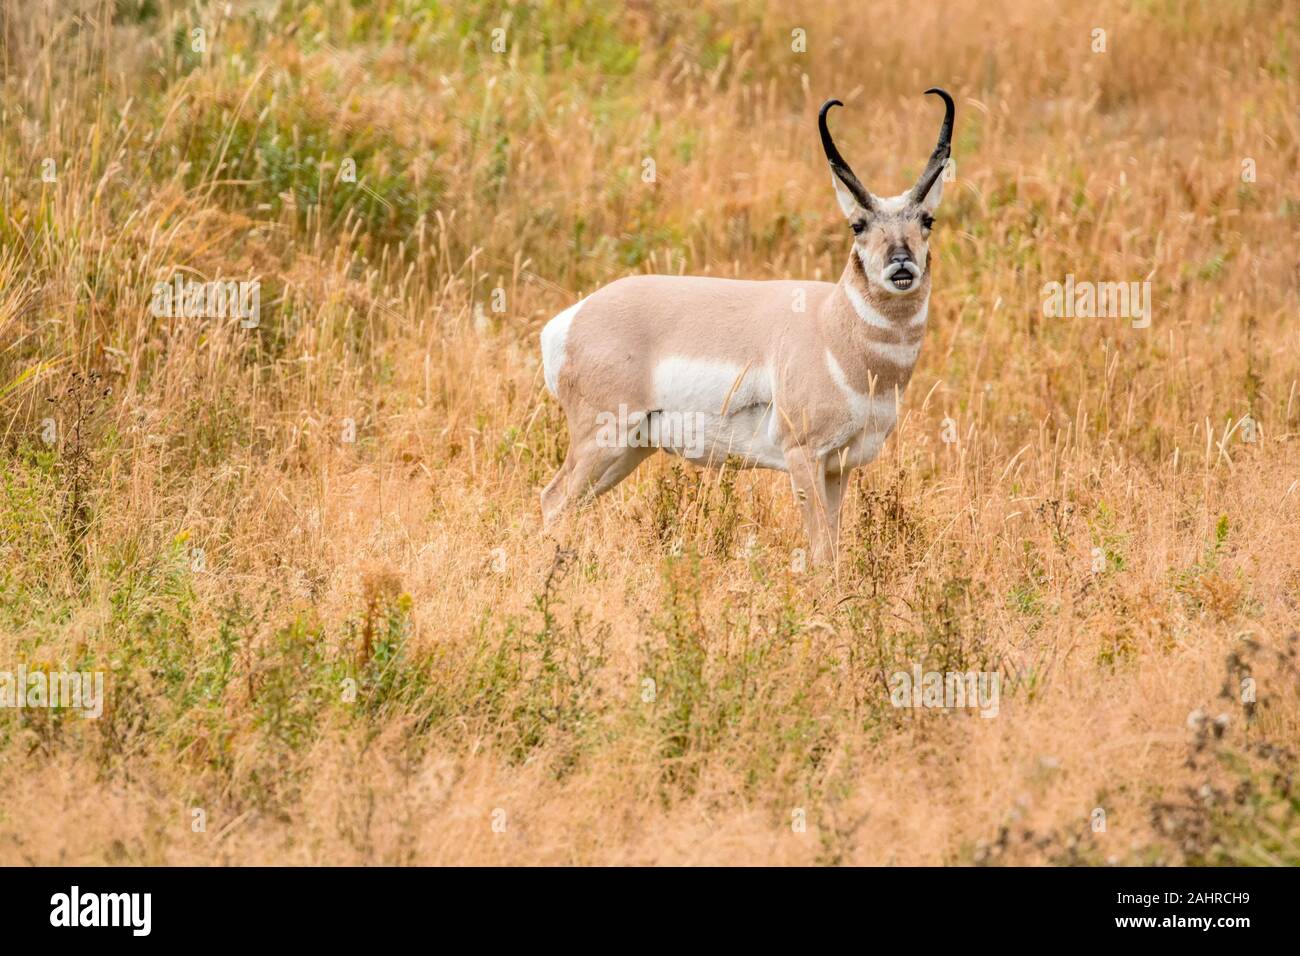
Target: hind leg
(588, 472)
(553, 495)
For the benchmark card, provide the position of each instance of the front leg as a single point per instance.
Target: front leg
(836, 484)
(808, 476)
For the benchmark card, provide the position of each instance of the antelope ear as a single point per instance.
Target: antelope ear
(849, 204)
(930, 201)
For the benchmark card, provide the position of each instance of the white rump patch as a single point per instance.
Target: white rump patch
(555, 334)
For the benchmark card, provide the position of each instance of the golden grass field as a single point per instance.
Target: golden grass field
(366, 651)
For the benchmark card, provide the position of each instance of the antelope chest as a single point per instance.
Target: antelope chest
(867, 420)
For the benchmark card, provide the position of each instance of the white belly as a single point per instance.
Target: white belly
(745, 436)
(711, 410)
(708, 411)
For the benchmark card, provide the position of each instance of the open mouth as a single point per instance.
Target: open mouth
(902, 279)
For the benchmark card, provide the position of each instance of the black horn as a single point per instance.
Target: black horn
(838, 166)
(941, 152)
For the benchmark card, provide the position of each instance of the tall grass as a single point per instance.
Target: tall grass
(308, 554)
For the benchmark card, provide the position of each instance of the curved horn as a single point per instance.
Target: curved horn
(941, 152)
(838, 166)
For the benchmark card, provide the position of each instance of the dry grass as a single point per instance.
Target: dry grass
(499, 680)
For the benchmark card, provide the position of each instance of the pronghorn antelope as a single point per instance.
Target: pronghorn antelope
(802, 377)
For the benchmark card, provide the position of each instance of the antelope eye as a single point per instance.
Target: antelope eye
(927, 221)
(858, 226)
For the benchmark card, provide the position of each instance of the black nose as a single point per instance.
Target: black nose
(900, 254)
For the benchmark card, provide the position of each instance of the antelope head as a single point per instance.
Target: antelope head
(891, 236)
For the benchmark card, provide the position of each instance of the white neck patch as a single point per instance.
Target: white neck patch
(872, 412)
(877, 321)
(865, 312)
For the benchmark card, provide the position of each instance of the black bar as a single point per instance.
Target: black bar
(335, 906)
